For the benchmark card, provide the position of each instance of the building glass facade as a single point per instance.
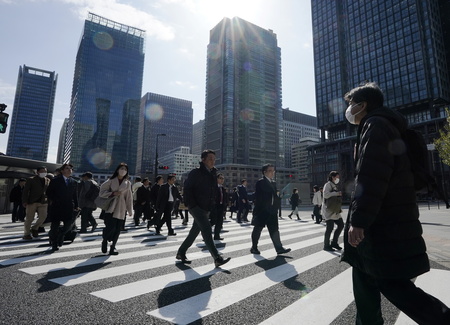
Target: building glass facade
(162, 115)
(243, 116)
(401, 45)
(104, 114)
(31, 120)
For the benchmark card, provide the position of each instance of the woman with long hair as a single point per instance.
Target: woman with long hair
(119, 187)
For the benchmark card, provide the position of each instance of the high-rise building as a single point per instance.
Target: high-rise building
(404, 46)
(198, 137)
(62, 141)
(179, 160)
(107, 84)
(31, 120)
(243, 116)
(162, 115)
(297, 126)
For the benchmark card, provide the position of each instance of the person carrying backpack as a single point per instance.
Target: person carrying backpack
(383, 235)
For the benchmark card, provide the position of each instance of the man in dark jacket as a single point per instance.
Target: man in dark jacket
(18, 212)
(62, 195)
(218, 212)
(243, 204)
(88, 191)
(383, 235)
(200, 197)
(159, 180)
(143, 201)
(167, 195)
(266, 210)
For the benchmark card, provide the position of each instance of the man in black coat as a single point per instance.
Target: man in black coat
(167, 195)
(200, 197)
(62, 195)
(143, 201)
(383, 235)
(18, 212)
(243, 204)
(266, 210)
(159, 180)
(218, 212)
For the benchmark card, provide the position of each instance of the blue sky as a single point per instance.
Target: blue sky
(45, 34)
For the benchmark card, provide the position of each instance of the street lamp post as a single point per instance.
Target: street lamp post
(156, 152)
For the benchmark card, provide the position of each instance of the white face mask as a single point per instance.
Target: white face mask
(42, 175)
(336, 181)
(349, 116)
(122, 172)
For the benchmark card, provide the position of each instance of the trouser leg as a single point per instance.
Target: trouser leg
(337, 232)
(367, 299)
(275, 236)
(414, 302)
(84, 219)
(256, 234)
(219, 221)
(115, 232)
(42, 215)
(168, 216)
(189, 240)
(30, 212)
(328, 230)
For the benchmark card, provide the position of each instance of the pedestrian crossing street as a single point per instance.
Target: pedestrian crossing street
(305, 286)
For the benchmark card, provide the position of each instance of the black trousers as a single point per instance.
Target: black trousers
(167, 217)
(274, 233)
(56, 233)
(216, 218)
(112, 229)
(330, 225)
(418, 305)
(87, 218)
(242, 211)
(18, 212)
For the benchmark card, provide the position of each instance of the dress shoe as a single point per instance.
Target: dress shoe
(221, 261)
(183, 259)
(113, 252)
(41, 229)
(336, 245)
(298, 218)
(184, 223)
(55, 248)
(34, 232)
(254, 251)
(104, 246)
(283, 251)
(94, 226)
(290, 216)
(27, 237)
(171, 234)
(218, 238)
(328, 248)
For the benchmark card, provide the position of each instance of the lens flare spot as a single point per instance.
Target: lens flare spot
(214, 51)
(247, 66)
(103, 40)
(337, 107)
(247, 115)
(154, 112)
(99, 158)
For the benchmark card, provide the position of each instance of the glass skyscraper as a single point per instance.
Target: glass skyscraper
(107, 85)
(162, 115)
(403, 46)
(243, 115)
(31, 120)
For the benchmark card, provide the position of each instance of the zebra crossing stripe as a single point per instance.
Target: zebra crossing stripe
(204, 304)
(138, 288)
(135, 267)
(336, 294)
(433, 283)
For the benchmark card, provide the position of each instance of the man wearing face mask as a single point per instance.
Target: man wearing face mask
(383, 235)
(331, 211)
(35, 201)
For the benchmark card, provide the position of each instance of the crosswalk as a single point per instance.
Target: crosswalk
(305, 286)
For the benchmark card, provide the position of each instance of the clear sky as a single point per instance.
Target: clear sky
(45, 34)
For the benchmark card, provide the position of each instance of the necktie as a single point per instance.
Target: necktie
(67, 182)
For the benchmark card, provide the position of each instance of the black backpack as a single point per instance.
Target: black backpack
(417, 152)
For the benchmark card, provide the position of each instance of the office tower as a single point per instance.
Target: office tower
(401, 45)
(162, 115)
(297, 126)
(31, 120)
(198, 137)
(107, 84)
(243, 117)
(62, 141)
(180, 161)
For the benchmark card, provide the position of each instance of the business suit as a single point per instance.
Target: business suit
(243, 205)
(62, 195)
(164, 206)
(265, 213)
(218, 211)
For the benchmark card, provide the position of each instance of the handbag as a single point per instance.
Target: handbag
(104, 202)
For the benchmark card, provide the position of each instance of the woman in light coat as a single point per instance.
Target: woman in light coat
(117, 186)
(331, 211)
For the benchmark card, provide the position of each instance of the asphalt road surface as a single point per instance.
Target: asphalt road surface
(144, 284)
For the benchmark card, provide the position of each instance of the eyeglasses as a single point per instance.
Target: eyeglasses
(221, 177)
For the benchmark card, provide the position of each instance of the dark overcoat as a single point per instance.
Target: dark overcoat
(384, 202)
(62, 198)
(266, 203)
